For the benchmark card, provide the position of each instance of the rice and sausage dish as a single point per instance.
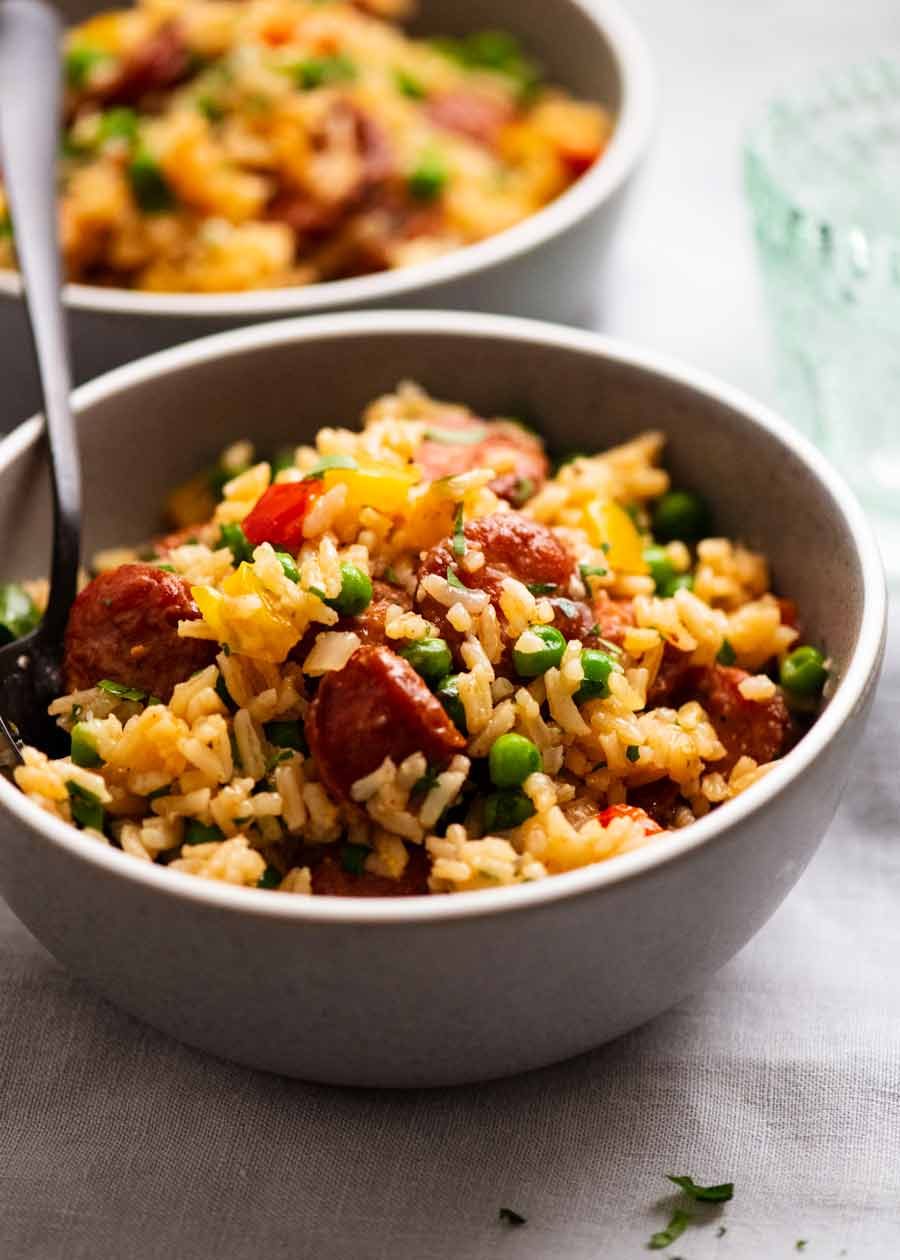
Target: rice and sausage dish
(222, 145)
(407, 659)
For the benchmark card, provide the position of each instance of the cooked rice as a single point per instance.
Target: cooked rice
(202, 784)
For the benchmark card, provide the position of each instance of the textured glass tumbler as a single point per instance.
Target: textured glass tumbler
(822, 173)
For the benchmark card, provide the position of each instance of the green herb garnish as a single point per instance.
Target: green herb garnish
(288, 567)
(493, 50)
(148, 183)
(316, 72)
(270, 878)
(427, 178)
(120, 691)
(457, 437)
(633, 753)
(409, 86)
(541, 588)
(120, 123)
(319, 469)
(454, 580)
(233, 537)
(591, 570)
(509, 1217)
(353, 858)
(199, 833)
(80, 63)
(286, 735)
(726, 654)
(87, 808)
(84, 747)
(665, 1237)
(459, 533)
(704, 1194)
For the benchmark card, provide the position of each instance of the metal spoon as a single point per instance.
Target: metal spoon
(30, 674)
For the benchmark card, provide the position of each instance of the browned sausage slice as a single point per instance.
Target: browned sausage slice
(459, 444)
(513, 546)
(377, 706)
(124, 626)
(471, 114)
(747, 728)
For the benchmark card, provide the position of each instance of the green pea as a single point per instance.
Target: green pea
(427, 178)
(429, 657)
(504, 810)
(661, 568)
(597, 667)
(84, 747)
(120, 123)
(356, 592)
(408, 85)
(533, 664)
(681, 581)
(681, 514)
(512, 759)
(286, 735)
(286, 560)
(803, 671)
(447, 691)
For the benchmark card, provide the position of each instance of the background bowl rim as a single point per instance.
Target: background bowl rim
(630, 140)
(860, 676)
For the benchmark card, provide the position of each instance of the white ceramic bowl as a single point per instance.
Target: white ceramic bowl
(464, 987)
(547, 265)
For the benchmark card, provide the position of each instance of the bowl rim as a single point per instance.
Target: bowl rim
(630, 139)
(860, 676)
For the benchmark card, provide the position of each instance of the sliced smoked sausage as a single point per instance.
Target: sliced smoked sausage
(459, 444)
(377, 706)
(124, 626)
(747, 728)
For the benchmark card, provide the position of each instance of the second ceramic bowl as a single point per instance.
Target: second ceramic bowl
(547, 265)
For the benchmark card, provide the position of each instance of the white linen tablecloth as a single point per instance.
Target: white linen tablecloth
(783, 1075)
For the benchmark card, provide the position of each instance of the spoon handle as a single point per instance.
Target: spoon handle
(29, 142)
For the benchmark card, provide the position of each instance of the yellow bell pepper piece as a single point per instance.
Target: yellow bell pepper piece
(380, 486)
(258, 628)
(609, 526)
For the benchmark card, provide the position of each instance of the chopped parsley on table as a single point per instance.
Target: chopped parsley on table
(703, 1194)
(678, 1223)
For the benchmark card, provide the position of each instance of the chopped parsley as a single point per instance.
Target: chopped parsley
(288, 735)
(633, 753)
(166, 568)
(277, 758)
(151, 189)
(703, 1194)
(160, 792)
(726, 654)
(224, 694)
(353, 858)
(233, 537)
(409, 86)
(270, 878)
(87, 808)
(199, 833)
(510, 1217)
(541, 588)
(423, 786)
(800, 1244)
(316, 72)
(80, 63)
(678, 1223)
(457, 437)
(120, 691)
(318, 470)
(591, 570)
(459, 533)
(454, 580)
(288, 567)
(427, 178)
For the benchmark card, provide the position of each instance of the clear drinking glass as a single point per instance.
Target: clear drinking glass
(822, 173)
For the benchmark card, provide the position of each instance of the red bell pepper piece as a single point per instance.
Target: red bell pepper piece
(633, 812)
(279, 515)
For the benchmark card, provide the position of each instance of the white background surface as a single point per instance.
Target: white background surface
(784, 1075)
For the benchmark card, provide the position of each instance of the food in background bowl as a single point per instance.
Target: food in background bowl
(213, 147)
(408, 660)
